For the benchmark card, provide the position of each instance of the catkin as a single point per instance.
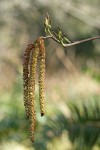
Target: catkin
(31, 89)
(41, 75)
(29, 76)
(26, 77)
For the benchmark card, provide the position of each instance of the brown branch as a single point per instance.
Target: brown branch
(52, 37)
(74, 43)
(81, 41)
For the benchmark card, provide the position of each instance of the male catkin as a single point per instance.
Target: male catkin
(26, 77)
(31, 89)
(29, 76)
(41, 75)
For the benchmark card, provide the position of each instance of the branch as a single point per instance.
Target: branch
(81, 41)
(52, 37)
(59, 36)
(73, 43)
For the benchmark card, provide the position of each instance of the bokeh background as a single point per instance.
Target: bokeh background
(72, 120)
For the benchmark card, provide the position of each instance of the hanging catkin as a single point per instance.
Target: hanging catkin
(41, 75)
(26, 77)
(29, 77)
(31, 89)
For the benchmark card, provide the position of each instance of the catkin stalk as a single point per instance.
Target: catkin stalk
(31, 89)
(41, 75)
(26, 77)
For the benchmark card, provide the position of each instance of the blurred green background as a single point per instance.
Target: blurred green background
(72, 120)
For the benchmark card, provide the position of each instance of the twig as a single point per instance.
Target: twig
(81, 41)
(71, 44)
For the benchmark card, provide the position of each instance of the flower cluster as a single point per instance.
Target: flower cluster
(32, 52)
